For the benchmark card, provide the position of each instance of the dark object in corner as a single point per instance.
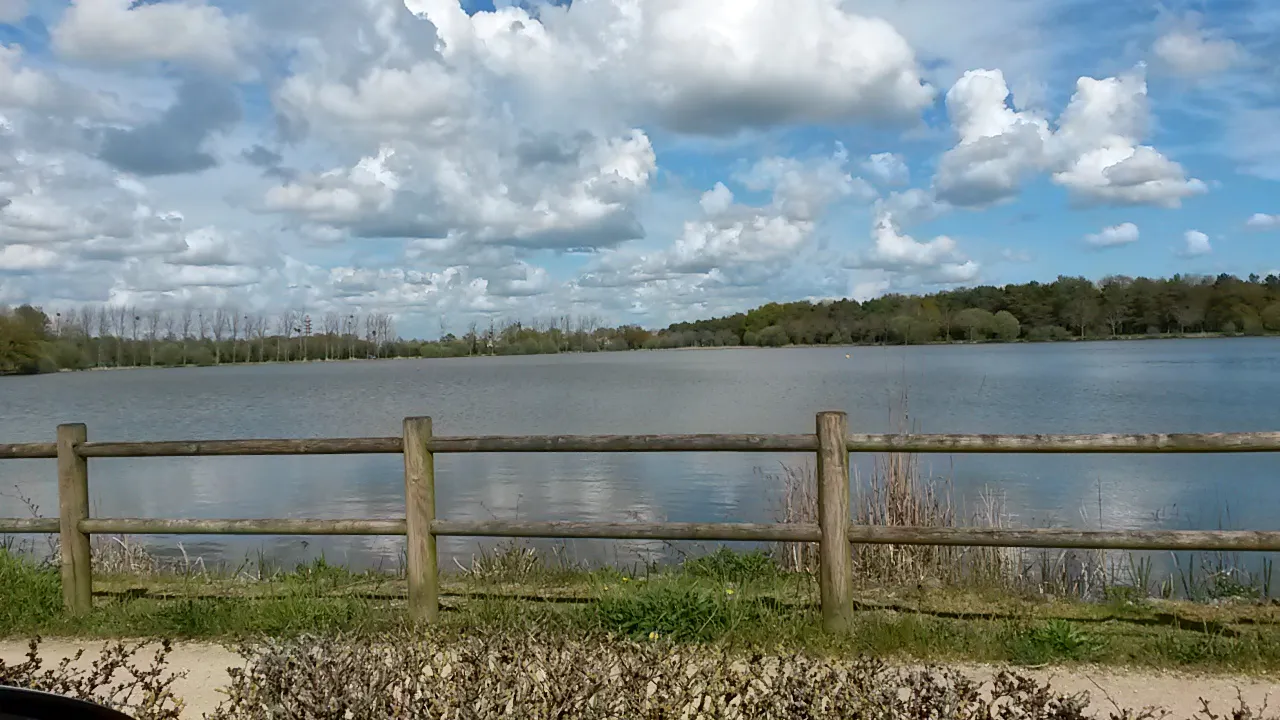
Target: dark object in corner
(22, 704)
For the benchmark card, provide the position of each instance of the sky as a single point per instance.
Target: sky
(639, 161)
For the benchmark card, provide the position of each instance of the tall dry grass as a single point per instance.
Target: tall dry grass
(899, 492)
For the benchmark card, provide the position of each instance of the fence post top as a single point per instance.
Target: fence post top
(833, 413)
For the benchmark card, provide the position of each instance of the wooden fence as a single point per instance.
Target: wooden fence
(834, 532)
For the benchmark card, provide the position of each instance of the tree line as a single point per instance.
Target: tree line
(34, 340)
(1067, 308)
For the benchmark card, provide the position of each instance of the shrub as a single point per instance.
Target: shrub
(115, 678)
(411, 676)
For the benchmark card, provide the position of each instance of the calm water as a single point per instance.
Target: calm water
(1169, 386)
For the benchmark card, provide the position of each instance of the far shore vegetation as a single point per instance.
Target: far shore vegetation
(35, 340)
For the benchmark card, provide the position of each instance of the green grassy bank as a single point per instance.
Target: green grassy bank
(726, 598)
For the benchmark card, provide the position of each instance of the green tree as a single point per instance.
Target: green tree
(1115, 302)
(900, 329)
(773, 336)
(976, 322)
(1271, 317)
(34, 320)
(1078, 302)
(1006, 326)
(20, 346)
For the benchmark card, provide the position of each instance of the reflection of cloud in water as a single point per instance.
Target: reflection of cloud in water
(539, 487)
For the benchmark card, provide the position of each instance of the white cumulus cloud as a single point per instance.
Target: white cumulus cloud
(708, 67)
(1191, 52)
(937, 261)
(1113, 236)
(1195, 243)
(122, 31)
(1263, 221)
(887, 168)
(1094, 151)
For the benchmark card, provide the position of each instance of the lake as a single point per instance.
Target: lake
(1152, 386)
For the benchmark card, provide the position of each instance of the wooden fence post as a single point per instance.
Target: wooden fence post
(835, 566)
(73, 506)
(420, 512)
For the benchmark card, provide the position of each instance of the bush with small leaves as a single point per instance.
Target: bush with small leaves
(116, 678)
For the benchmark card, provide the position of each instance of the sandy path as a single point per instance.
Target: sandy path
(206, 667)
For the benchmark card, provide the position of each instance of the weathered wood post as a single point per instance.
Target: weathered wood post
(420, 512)
(835, 566)
(73, 506)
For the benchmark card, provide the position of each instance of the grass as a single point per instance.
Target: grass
(739, 600)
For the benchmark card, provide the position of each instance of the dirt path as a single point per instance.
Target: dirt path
(206, 667)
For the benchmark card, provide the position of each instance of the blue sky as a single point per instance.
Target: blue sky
(630, 160)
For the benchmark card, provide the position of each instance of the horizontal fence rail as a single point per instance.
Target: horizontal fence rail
(914, 443)
(18, 526)
(32, 451)
(201, 448)
(270, 526)
(1052, 538)
(1052, 444)
(833, 532)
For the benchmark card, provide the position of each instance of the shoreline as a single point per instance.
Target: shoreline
(953, 343)
(726, 599)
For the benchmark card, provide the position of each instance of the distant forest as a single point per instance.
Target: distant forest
(34, 340)
(1067, 308)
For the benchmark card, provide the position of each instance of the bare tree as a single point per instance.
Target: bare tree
(566, 329)
(259, 323)
(218, 326)
(332, 322)
(372, 323)
(84, 321)
(170, 325)
(284, 331)
(236, 327)
(119, 322)
(303, 328)
(379, 331)
(104, 331)
(154, 319)
(350, 325)
(387, 331)
(135, 322)
(188, 315)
